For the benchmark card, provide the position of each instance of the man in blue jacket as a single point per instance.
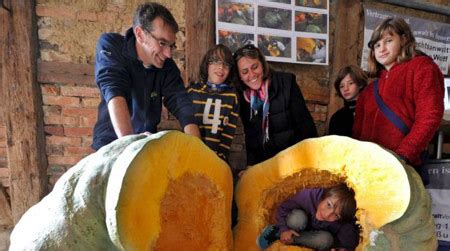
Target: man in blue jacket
(134, 73)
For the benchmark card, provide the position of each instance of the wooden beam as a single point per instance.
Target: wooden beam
(5, 209)
(442, 9)
(66, 73)
(199, 34)
(22, 108)
(347, 36)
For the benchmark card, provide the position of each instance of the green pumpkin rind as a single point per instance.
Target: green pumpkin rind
(415, 229)
(71, 216)
(115, 180)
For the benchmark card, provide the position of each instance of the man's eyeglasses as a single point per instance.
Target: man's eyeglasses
(163, 44)
(219, 62)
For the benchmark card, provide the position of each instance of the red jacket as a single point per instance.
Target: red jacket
(414, 90)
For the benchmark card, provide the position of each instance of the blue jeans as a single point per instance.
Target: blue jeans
(297, 220)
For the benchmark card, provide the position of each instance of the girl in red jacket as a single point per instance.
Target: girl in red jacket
(411, 86)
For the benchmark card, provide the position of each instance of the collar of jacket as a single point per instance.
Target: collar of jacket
(129, 47)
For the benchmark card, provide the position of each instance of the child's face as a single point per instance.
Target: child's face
(348, 88)
(328, 210)
(387, 49)
(217, 70)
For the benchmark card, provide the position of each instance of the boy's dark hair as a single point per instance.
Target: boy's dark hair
(357, 75)
(345, 200)
(147, 12)
(220, 52)
(252, 52)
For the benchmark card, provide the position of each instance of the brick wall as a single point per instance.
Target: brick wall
(67, 38)
(69, 115)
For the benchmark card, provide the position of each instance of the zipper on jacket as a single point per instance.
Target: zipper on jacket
(146, 102)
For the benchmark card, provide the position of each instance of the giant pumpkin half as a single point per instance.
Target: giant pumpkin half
(394, 209)
(161, 192)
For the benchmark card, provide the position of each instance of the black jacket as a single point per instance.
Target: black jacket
(341, 122)
(289, 119)
(119, 72)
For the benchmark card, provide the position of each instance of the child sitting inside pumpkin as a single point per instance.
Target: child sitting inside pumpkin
(318, 218)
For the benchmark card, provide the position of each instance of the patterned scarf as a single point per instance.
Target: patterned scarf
(258, 99)
(217, 87)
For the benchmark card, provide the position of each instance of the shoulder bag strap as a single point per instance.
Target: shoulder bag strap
(388, 112)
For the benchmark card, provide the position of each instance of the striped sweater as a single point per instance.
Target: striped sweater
(216, 114)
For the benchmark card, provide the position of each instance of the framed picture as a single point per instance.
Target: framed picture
(291, 31)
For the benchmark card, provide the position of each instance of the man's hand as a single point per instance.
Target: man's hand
(120, 116)
(286, 237)
(192, 129)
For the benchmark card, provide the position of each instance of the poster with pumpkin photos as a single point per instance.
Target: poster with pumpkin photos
(290, 31)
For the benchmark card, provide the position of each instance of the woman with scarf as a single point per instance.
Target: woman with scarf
(272, 108)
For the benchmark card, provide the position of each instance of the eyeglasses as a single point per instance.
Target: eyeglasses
(247, 50)
(249, 47)
(163, 44)
(219, 62)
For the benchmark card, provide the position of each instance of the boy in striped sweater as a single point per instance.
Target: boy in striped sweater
(215, 100)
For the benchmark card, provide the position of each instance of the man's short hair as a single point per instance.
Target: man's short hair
(147, 12)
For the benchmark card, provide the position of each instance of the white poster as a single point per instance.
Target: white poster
(447, 99)
(433, 38)
(439, 190)
(292, 31)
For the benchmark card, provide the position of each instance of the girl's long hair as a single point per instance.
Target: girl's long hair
(391, 26)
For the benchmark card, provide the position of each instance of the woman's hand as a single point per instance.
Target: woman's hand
(286, 237)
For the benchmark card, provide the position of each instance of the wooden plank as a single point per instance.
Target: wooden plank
(22, 108)
(4, 173)
(349, 21)
(66, 73)
(5, 209)
(199, 34)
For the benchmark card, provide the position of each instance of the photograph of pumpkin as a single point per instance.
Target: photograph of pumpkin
(311, 50)
(321, 4)
(310, 22)
(393, 207)
(235, 13)
(274, 18)
(235, 40)
(274, 46)
(161, 192)
(277, 1)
